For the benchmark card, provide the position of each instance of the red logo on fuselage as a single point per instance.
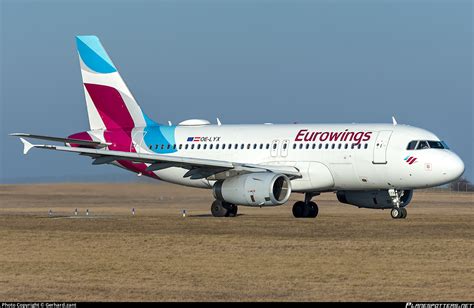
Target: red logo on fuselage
(410, 159)
(346, 135)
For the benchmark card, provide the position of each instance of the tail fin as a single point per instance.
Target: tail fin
(110, 105)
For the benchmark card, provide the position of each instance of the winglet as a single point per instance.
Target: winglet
(394, 121)
(27, 146)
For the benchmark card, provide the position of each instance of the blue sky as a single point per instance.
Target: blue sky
(243, 61)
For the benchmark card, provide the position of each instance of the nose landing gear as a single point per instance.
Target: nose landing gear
(306, 209)
(397, 211)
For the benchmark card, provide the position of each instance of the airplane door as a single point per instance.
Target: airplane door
(380, 148)
(284, 148)
(274, 148)
(137, 141)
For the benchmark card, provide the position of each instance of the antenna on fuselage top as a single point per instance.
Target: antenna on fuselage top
(170, 124)
(394, 121)
(218, 122)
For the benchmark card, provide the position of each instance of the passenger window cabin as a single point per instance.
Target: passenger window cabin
(412, 145)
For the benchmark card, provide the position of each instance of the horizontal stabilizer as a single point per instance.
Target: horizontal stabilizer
(27, 146)
(95, 144)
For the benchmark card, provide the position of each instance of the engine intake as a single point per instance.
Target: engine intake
(254, 189)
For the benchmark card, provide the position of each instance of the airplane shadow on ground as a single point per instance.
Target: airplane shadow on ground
(210, 215)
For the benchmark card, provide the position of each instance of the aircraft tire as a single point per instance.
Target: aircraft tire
(404, 212)
(298, 209)
(217, 209)
(395, 213)
(232, 210)
(314, 210)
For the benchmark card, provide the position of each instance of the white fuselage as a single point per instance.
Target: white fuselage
(374, 159)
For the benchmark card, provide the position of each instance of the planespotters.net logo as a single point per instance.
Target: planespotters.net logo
(438, 305)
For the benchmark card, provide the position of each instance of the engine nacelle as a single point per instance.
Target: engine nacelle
(254, 189)
(374, 199)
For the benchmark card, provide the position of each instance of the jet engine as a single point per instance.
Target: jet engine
(374, 199)
(254, 189)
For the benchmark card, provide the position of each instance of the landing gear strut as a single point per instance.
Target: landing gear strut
(223, 209)
(306, 209)
(397, 211)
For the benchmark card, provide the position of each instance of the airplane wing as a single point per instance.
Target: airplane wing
(95, 144)
(198, 167)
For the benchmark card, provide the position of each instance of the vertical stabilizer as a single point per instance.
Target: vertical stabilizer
(110, 104)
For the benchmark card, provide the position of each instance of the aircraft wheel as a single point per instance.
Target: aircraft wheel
(314, 210)
(404, 212)
(217, 209)
(396, 213)
(298, 209)
(232, 210)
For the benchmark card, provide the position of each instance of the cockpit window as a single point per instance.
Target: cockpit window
(436, 145)
(426, 144)
(412, 145)
(422, 145)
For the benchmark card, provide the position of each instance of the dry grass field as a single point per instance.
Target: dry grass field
(346, 254)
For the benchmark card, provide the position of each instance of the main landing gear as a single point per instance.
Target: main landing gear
(223, 209)
(397, 211)
(306, 209)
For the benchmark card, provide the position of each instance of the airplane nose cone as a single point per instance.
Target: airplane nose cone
(454, 167)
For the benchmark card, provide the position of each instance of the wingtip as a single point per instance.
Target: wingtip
(27, 146)
(394, 121)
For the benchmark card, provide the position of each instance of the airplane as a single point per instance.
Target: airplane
(373, 166)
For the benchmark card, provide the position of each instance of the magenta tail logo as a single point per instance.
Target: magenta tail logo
(410, 159)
